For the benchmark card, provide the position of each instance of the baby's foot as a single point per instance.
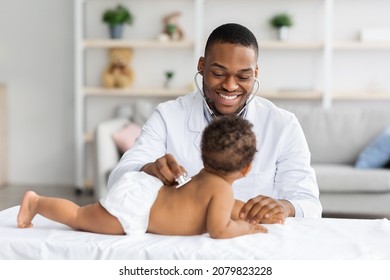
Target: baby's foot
(27, 209)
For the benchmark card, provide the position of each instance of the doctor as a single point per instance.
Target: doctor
(281, 182)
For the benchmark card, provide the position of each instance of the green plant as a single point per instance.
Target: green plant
(169, 75)
(118, 15)
(280, 20)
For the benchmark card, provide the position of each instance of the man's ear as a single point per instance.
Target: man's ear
(246, 169)
(201, 65)
(257, 71)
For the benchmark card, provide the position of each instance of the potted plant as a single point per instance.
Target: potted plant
(168, 78)
(282, 22)
(116, 18)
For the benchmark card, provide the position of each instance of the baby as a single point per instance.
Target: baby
(140, 203)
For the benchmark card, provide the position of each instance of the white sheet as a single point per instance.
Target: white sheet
(299, 239)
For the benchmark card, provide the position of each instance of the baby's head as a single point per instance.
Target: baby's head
(228, 144)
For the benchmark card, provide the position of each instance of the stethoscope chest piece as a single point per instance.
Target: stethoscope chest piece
(182, 180)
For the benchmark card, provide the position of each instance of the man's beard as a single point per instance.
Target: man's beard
(210, 103)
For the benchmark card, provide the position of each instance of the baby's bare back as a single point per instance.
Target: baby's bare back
(182, 211)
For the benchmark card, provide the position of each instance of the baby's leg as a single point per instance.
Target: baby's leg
(92, 217)
(95, 218)
(28, 209)
(57, 209)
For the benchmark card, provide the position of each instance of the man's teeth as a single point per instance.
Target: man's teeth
(228, 97)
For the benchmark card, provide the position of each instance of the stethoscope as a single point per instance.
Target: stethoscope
(211, 112)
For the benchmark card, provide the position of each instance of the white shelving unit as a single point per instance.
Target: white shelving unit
(360, 69)
(322, 46)
(85, 91)
(361, 48)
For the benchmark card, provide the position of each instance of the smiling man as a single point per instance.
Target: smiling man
(281, 182)
(229, 69)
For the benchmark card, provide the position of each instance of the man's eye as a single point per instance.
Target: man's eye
(217, 74)
(244, 78)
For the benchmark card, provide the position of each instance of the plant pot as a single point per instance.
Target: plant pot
(116, 31)
(283, 33)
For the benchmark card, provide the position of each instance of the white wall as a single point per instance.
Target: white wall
(36, 64)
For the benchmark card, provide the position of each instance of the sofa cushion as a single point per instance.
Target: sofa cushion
(340, 178)
(339, 134)
(371, 205)
(125, 137)
(377, 152)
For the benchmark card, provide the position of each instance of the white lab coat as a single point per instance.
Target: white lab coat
(281, 168)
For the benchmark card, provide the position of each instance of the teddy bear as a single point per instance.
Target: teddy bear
(118, 73)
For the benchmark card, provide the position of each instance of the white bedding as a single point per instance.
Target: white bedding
(300, 239)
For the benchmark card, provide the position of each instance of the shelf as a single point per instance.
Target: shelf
(292, 94)
(357, 95)
(283, 94)
(150, 44)
(316, 95)
(357, 45)
(135, 92)
(265, 45)
(279, 45)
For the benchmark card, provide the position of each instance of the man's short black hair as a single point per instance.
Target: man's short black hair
(232, 33)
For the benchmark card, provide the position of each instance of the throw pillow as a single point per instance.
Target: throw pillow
(377, 153)
(125, 137)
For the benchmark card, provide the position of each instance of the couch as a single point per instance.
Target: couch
(335, 137)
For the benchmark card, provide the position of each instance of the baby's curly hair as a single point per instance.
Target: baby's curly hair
(228, 144)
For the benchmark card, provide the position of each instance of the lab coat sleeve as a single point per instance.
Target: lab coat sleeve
(295, 179)
(149, 146)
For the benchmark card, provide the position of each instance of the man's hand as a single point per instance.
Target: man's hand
(165, 168)
(264, 209)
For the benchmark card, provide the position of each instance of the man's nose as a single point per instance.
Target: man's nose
(230, 84)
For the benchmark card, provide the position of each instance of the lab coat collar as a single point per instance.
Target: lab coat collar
(251, 111)
(197, 120)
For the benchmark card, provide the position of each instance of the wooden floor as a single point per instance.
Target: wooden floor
(11, 195)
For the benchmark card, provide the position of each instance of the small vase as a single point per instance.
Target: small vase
(283, 33)
(116, 31)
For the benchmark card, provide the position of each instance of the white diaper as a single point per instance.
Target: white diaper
(130, 200)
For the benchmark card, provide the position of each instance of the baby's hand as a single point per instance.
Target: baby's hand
(258, 228)
(253, 228)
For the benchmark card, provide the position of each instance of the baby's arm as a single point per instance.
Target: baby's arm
(238, 204)
(219, 216)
